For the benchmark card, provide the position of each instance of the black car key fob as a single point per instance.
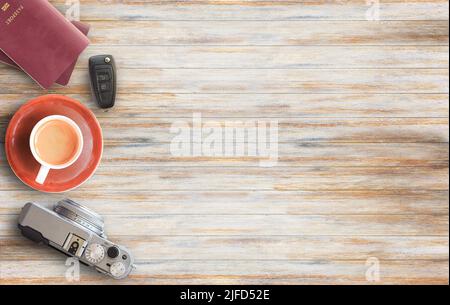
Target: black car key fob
(102, 71)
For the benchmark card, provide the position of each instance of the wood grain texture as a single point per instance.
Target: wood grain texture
(362, 110)
(270, 57)
(289, 154)
(377, 130)
(256, 10)
(378, 202)
(216, 247)
(254, 81)
(257, 179)
(274, 57)
(325, 105)
(238, 225)
(262, 33)
(236, 272)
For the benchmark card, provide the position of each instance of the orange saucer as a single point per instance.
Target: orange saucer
(18, 150)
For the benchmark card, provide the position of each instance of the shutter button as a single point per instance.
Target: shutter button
(113, 252)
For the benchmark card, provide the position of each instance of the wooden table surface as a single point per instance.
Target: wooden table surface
(363, 162)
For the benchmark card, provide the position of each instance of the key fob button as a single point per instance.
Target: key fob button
(104, 87)
(103, 76)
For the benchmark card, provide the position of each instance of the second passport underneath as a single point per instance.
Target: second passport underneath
(40, 40)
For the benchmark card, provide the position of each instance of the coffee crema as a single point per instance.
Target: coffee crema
(56, 142)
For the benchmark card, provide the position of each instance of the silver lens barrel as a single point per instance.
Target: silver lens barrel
(81, 215)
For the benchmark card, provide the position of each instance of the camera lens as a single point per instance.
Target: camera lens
(81, 215)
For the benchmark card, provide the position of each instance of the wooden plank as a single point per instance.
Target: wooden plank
(112, 202)
(246, 81)
(292, 130)
(300, 131)
(147, 178)
(257, 10)
(263, 225)
(289, 154)
(236, 272)
(271, 57)
(285, 57)
(361, 105)
(295, 33)
(225, 248)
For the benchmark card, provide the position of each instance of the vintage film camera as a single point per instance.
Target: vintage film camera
(78, 232)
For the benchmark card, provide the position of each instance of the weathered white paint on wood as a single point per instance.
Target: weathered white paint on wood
(274, 247)
(270, 33)
(255, 81)
(285, 57)
(263, 33)
(361, 105)
(182, 178)
(299, 131)
(237, 272)
(289, 154)
(270, 57)
(263, 225)
(257, 10)
(365, 202)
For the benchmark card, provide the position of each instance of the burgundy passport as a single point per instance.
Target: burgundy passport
(39, 39)
(65, 77)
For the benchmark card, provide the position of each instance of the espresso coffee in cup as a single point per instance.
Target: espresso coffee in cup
(56, 142)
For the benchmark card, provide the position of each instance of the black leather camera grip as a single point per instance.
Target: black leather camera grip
(33, 235)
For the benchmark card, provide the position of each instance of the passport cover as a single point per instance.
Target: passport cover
(39, 39)
(65, 77)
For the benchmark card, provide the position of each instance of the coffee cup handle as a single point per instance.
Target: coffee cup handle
(42, 175)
